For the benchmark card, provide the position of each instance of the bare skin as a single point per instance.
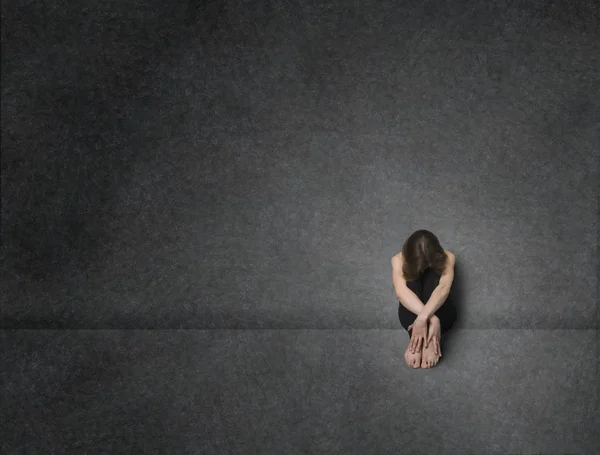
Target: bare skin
(430, 356)
(413, 360)
(426, 357)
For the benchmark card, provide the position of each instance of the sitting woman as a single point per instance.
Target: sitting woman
(422, 275)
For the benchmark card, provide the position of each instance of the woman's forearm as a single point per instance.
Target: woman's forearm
(409, 300)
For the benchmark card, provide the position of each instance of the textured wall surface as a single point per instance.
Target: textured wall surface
(200, 202)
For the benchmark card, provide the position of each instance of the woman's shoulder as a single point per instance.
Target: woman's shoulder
(397, 258)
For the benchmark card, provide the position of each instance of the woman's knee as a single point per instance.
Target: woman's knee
(430, 280)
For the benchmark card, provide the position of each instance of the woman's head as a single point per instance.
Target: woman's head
(421, 250)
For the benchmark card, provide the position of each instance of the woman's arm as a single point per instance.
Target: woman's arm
(410, 301)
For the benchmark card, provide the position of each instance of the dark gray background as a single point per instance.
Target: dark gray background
(252, 167)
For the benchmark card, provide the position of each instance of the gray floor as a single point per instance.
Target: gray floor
(200, 203)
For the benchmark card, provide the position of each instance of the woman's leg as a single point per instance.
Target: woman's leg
(413, 360)
(407, 317)
(447, 312)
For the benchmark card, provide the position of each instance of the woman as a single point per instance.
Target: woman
(422, 275)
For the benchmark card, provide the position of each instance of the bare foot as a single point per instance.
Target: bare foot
(429, 357)
(412, 360)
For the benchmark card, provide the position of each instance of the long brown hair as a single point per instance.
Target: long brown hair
(421, 250)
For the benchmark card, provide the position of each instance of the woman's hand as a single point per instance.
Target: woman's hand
(434, 335)
(418, 334)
